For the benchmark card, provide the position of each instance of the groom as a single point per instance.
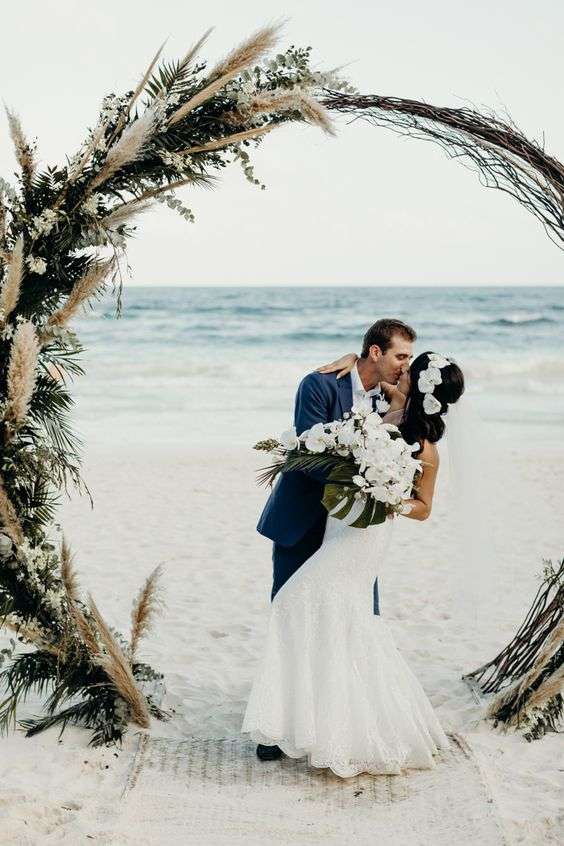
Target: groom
(294, 517)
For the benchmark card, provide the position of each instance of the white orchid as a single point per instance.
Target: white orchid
(431, 405)
(289, 439)
(429, 379)
(348, 436)
(424, 385)
(314, 441)
(363, 407)
(438, 360)
(372, 421)
(382, 466)
(433, 375)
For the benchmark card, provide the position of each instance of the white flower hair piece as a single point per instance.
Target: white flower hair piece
(429, 379)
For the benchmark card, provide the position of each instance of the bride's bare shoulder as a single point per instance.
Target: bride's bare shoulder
(429, 454)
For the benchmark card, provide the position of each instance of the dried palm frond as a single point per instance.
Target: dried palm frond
(118, 669)
(138, 90)
(195, 49)
(550, 687)
(147, 75)
(23, 150)
(10, 523)
(552, 644)
(10, 293)
(21, 373)
(145, 608)
(518, 689)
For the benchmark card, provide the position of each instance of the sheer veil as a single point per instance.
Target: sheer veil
(471, 508)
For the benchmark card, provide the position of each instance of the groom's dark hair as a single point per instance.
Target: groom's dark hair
(382, 332)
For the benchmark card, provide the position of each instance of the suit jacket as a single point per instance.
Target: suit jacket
(295, 502)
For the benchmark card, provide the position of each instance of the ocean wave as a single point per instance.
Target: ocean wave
(288, 316)
(521, 320)
(541, 369)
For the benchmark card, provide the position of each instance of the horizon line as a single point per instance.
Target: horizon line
(338, 285)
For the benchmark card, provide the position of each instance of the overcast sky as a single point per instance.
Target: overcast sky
(366, 207)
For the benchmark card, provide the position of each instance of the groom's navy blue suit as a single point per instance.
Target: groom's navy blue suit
(294, 517)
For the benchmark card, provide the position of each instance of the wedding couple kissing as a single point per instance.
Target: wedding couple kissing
(331, 684)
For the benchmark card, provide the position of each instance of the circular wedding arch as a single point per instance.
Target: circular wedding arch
(63, 233)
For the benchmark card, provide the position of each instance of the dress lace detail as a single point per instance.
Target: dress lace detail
(331, 683)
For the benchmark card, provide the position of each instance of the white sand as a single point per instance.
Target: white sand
(196, 512)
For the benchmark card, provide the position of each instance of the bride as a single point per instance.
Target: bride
(331, 683)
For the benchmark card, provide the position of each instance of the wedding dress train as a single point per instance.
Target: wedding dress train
(331, 683)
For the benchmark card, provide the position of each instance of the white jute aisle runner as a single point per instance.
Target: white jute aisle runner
(216, 792)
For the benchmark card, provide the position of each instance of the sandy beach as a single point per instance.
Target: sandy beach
(194, 511)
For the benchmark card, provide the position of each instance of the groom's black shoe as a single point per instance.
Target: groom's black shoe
(268, 753)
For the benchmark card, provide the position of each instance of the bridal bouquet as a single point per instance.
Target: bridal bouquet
(361, 457)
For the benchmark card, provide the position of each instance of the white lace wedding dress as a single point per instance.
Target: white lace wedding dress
(331, 683)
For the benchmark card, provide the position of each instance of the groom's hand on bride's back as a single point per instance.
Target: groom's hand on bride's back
(341, 366)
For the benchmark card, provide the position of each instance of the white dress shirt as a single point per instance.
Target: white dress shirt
(360, 395)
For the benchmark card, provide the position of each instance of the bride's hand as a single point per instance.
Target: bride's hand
(342, 365)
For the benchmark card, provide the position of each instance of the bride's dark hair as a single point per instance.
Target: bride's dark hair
(416, 424)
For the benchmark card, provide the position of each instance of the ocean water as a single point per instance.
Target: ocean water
(221, 365)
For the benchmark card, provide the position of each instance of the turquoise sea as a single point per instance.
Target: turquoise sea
(222, 364)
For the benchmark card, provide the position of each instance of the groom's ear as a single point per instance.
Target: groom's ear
(374, 352)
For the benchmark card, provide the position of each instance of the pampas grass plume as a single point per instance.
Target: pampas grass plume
(10, 293)
(24, 154)
(129, 147)
(240, 58)
(249, 51)
(125, 212)
(21, 372)
(85, 288)
(296, 100)
(145, 608)
(68, 573)
(10, 523)
(118, 669)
